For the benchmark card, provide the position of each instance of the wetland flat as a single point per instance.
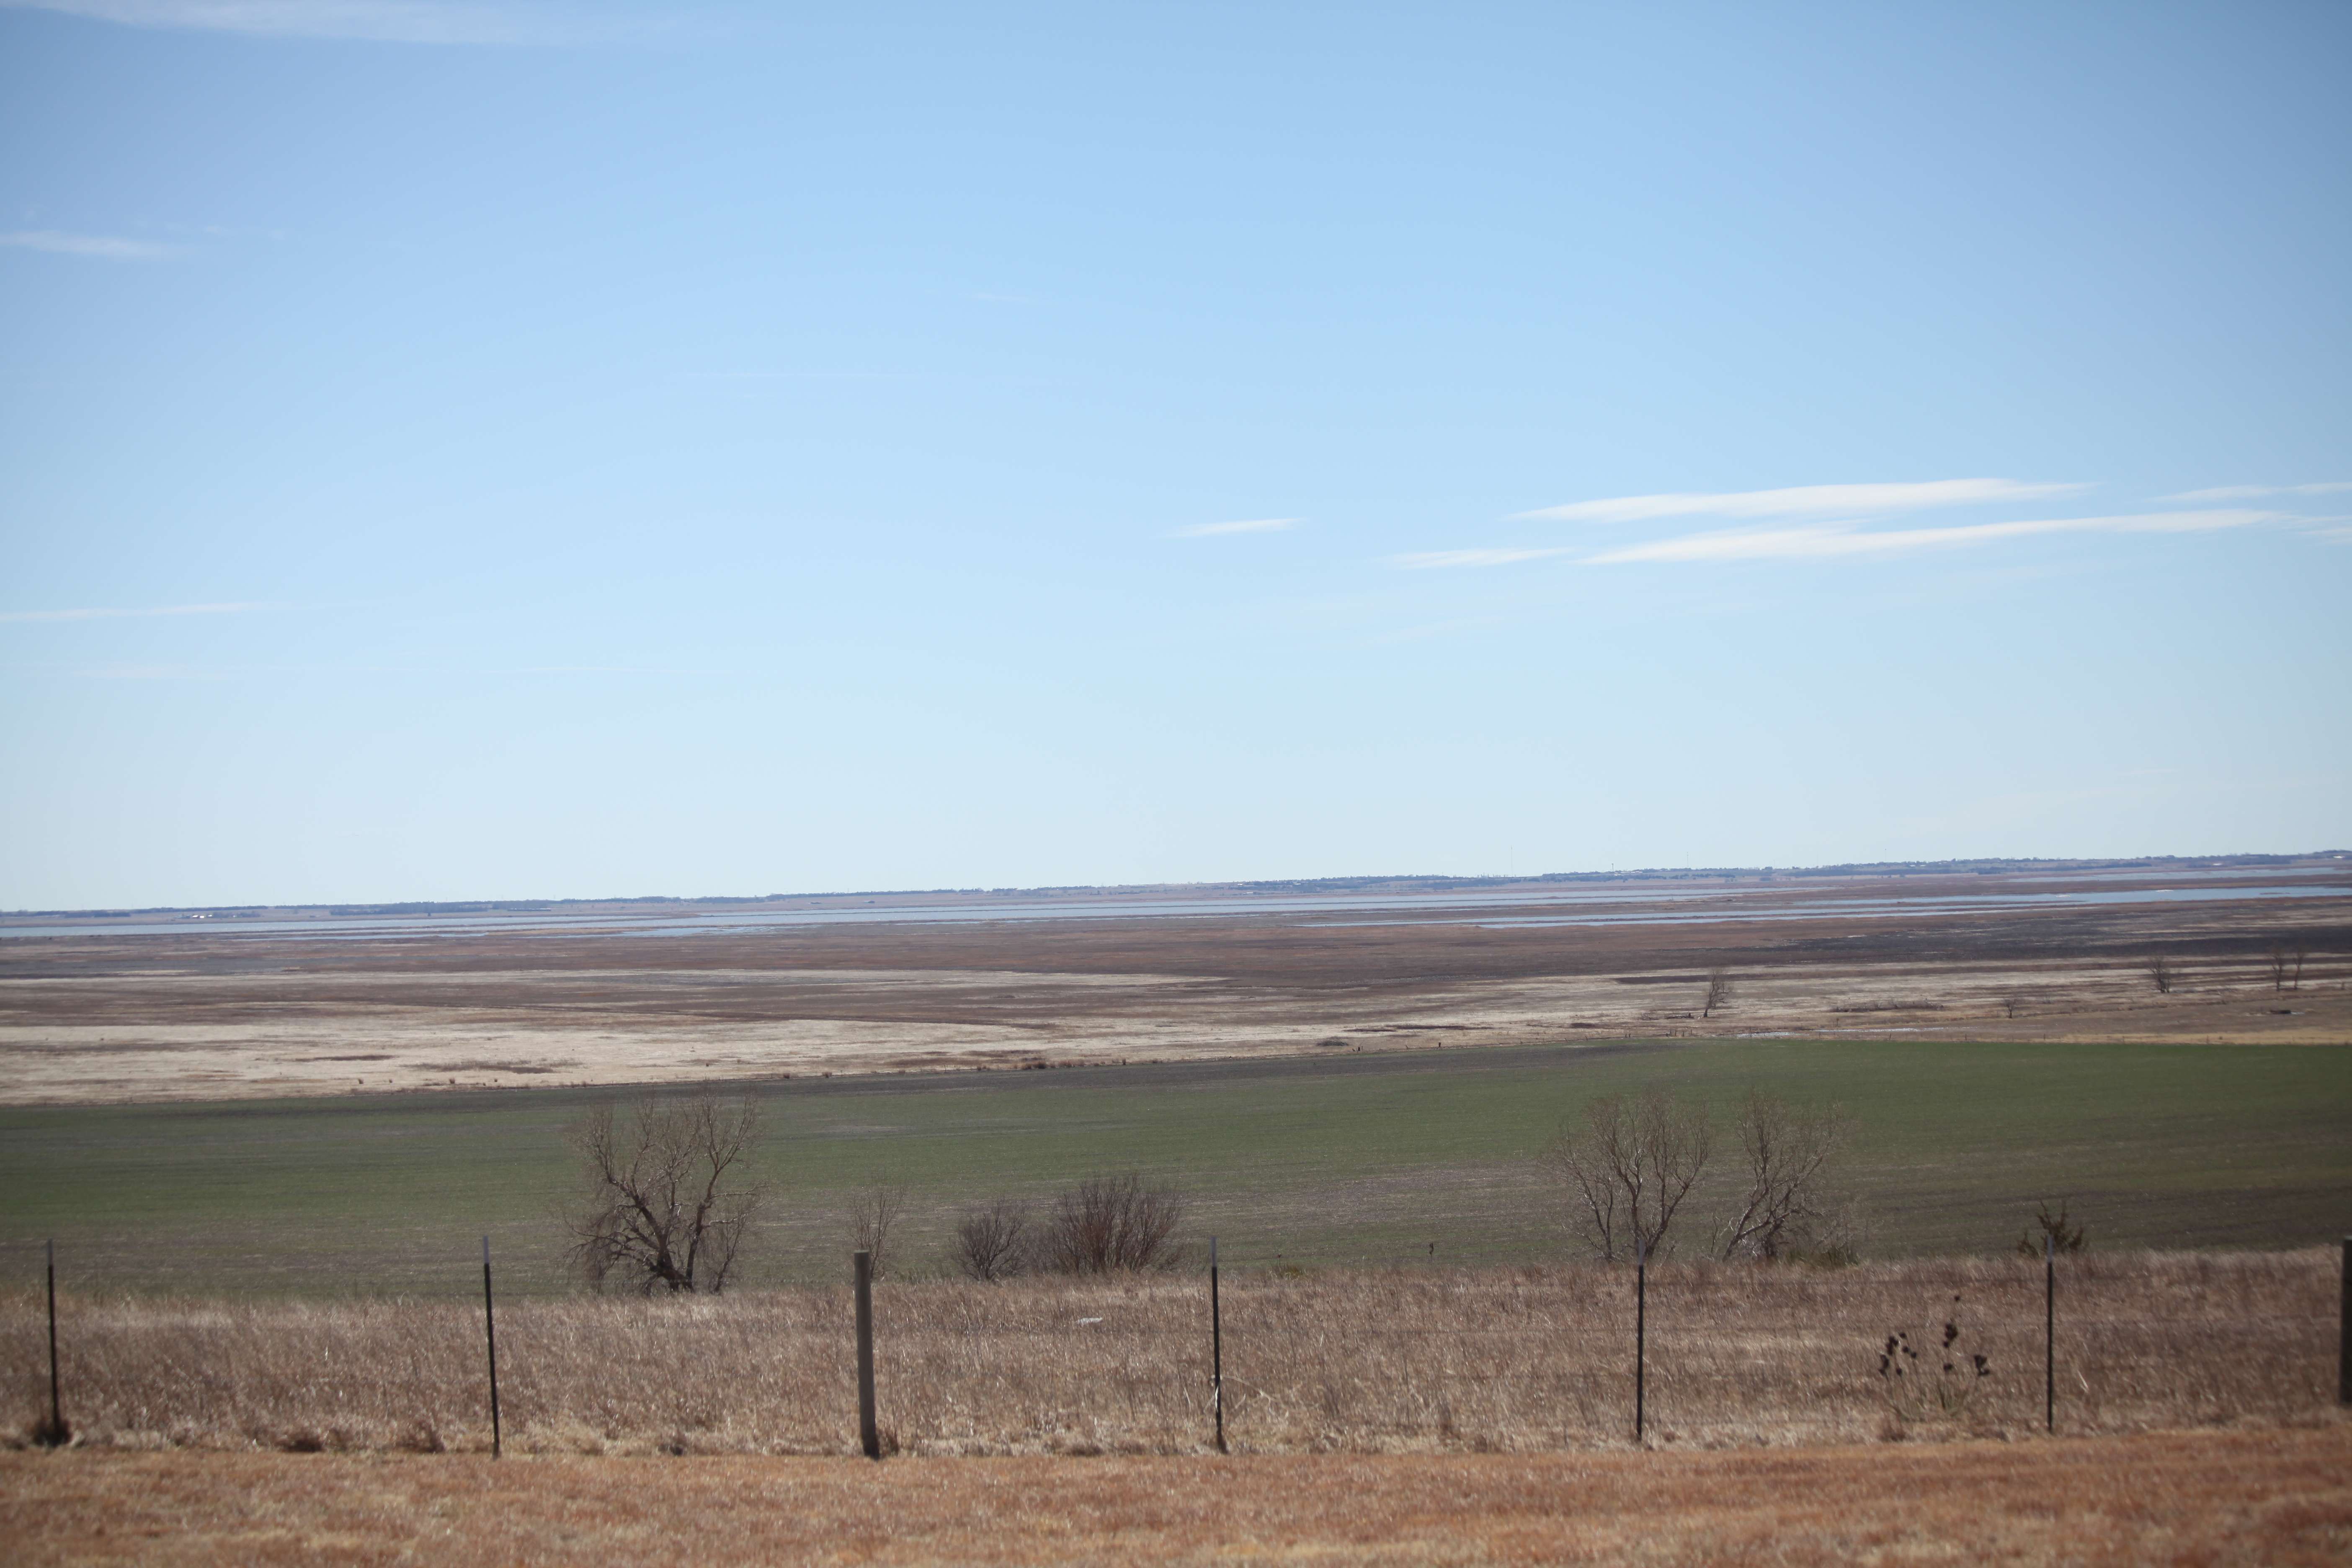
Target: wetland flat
(145, 1007)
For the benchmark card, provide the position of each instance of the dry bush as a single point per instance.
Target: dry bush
(869, 1221)
(1109, 1225)
(2051, 1233)
(994, 1240)
(1501, 1360)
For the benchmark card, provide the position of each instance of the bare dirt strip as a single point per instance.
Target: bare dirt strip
(2210, 1497)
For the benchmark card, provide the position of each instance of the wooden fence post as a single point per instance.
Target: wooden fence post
(491, 1328)
(869, 1434)
(1217, 1349)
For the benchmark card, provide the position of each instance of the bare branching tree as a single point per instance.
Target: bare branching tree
(1628, 1167)
(2161, 972)
(2287, 966)
(994, 1240)
(666, 1193)
(869, 1218)
(1112, 1224)
(1788, 1153)
(1718, 992)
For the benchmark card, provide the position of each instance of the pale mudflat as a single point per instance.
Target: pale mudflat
(88, 1017)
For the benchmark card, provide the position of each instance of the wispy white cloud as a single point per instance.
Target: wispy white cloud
(108, 614)
(1834, 540)
(1831, 541)
(1804, 501)
(380, 21)
(148, 672)
(1503, 556)
(1247, 525)
(2255, 492)
(99, 245)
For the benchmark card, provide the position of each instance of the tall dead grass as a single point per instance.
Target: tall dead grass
(1493, 1360)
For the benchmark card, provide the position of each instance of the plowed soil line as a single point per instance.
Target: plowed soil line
(2206, 1498)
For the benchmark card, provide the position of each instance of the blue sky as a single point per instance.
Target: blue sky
(454, 450)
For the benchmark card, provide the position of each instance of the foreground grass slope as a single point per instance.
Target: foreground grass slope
(1340, 1159)
(2208, 1499)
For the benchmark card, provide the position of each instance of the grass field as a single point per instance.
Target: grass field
(1340, 1159)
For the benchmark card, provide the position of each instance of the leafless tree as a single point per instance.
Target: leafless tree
(868, 1220)
(994, 1240)
(1787, 1152)
(2012, 1006)
(1109, 1225)
(1627, 1169)
(666, 1195)
(2161, 971)
(2287, 966)
(1718, 992)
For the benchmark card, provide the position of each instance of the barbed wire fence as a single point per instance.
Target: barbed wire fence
(1499, 1359)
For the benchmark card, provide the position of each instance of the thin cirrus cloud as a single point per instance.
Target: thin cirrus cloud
(1802, 500)
(1503, 556)
(2255, 492)
(1247, 525)
(109, 615)
(377, 21)
(104, 246)
(1835, 540)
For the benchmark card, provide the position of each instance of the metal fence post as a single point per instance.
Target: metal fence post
(1641, 1327)
(2049, 1331)
(869, 1434)
(490, 1330)
(54, 1433)
(1217, 1349)
(2344, 1348)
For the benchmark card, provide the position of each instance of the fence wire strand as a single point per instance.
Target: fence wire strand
(1380, 1360)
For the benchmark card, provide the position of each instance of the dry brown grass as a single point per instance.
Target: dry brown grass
(2204, 1498)
(1514, 1360)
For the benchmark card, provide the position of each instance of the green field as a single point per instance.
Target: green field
(1342, 1158)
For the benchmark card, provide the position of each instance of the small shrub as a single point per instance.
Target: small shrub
(1109, 1225)
(2059, 1236)
(994, 1240)
(870, 1220)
